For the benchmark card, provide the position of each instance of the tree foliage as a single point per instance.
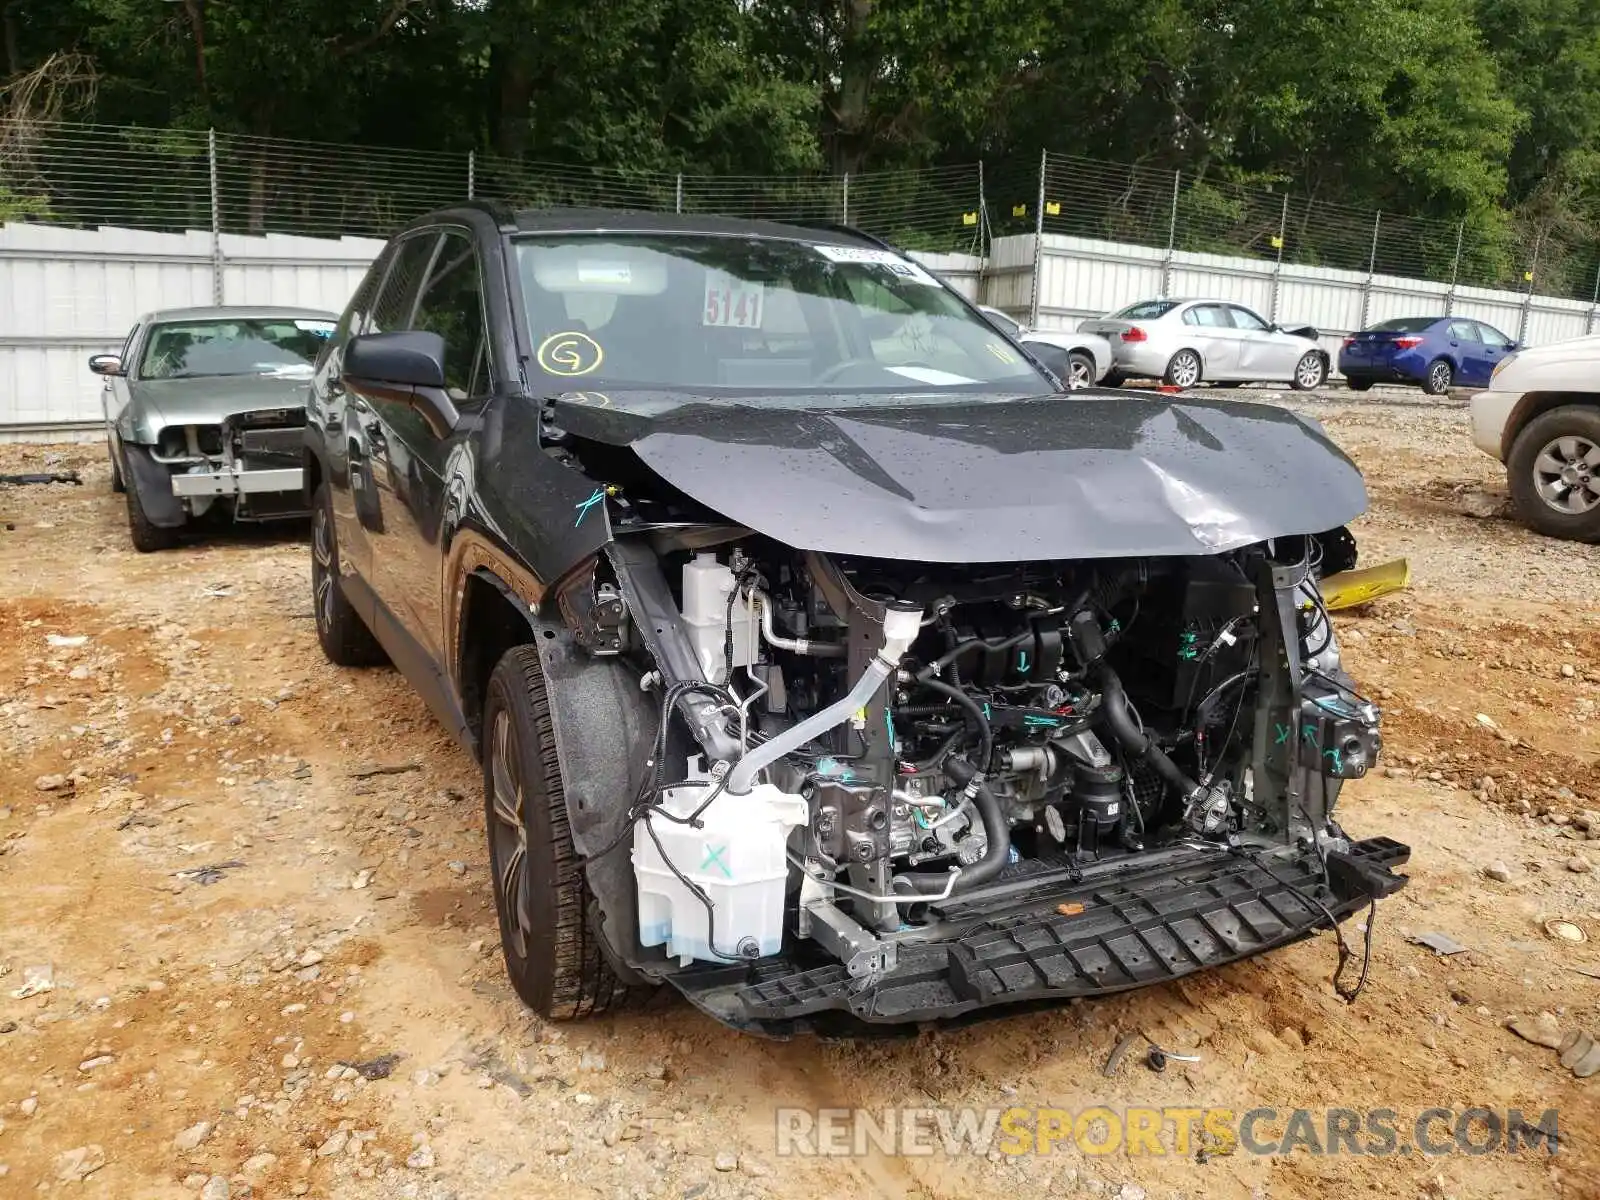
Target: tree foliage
(1432, 107)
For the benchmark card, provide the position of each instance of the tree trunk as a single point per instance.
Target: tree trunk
(858, 65)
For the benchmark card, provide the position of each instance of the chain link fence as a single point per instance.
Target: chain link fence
(87, 175)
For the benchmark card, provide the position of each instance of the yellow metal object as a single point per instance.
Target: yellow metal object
(1348, 589)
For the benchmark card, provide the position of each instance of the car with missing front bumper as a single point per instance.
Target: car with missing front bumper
(204, 412)
(1186, 343)
(822, 661)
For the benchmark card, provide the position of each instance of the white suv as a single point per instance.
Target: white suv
(1541, 417)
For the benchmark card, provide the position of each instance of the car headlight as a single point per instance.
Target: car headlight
(1501, 366)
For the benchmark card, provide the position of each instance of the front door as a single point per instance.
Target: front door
(408, 563)
(1469, 351)
(1496, 346)
(1263, 353)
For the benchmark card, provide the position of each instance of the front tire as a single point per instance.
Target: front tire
(147, 537)
(1080, 371)
(1310, 373)
(1357, 384)
(342, 634)
(1553, 472)
(553, 956)
(118, 484)
(1438, 378)
(1183, 369)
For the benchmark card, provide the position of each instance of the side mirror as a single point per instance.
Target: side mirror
(414, 358)
(106, 364)
(1510, 346)
(404, 367)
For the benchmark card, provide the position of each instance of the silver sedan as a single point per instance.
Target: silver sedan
(1080, 359)
(1189, 342)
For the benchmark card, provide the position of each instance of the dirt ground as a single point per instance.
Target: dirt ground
(214, 926)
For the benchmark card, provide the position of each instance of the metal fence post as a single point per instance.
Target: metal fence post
(847, 197)
(1277, 269)
(1594, 302)
(216, 219)
(1527, 296)
(472, 174)
(1038, 244)
(677, 195)
(1455, 273)
(980, 235)
(1172, 235)
(1372, 269)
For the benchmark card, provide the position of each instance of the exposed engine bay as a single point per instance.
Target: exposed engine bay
(887, 754)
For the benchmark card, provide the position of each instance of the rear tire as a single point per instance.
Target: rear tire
(1439, 376)
(1184, 369)
(147, 538)
(1113, 379)
(552, 954)
(1310, 373)
(341, 632)
(1357, 384)
(1561, 440)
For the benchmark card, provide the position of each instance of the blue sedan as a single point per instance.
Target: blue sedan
(1437, 352)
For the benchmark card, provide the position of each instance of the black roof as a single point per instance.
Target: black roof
(619, 220)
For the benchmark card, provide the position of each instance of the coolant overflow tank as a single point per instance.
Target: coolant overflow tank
(735, 856)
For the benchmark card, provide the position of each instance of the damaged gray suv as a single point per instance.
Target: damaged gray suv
(827, 660)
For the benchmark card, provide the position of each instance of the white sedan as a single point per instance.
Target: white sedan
(1189, 342)
(1080, 359)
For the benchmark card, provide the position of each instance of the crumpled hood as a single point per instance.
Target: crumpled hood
(1091, 475)
(206, 399)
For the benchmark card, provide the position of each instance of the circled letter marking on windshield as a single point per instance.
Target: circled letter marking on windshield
(570, 353)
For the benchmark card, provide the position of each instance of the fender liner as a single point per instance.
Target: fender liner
(153, 482)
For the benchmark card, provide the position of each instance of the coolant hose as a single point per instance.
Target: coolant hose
(900, 628)
(1114, 707)
(996, 835)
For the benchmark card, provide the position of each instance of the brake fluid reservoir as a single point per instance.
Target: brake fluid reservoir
(735, 857)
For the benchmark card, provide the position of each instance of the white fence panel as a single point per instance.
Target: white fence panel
(964, 272)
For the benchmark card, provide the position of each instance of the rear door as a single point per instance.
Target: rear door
(1263, 353)
(1467, 345)
(1211, 331)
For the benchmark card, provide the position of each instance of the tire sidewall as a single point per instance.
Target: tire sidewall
(1428, 384)
(1075, 359)
(1322, 372)
(1172, 365)
(1530, 506)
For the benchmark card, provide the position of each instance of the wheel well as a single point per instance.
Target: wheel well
(1535, 405)
(312, 478)
(491, 624)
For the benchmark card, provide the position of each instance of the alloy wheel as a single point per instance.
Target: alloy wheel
(1566, 474)
(1309, 371)
(1082, 374)
(1185, 370)
(508, 839)
(322, 568)
(1439, 377)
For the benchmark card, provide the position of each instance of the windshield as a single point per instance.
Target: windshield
(236, 346)
(1404, 325)
(1146, 310)
(737, 314)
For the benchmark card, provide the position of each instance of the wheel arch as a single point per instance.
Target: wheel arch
(1534, 405)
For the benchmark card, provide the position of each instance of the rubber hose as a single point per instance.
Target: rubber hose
(1114, 707)
(974, 714)
(996, 833)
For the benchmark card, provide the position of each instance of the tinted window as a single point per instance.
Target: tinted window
(1492, 336)
(1244, 319)
(392, 313)
(1208, 316)
(1405, 325)
(234, 346)
(1463, 331)
(452, 307)
(756, 315)
(1146, 310)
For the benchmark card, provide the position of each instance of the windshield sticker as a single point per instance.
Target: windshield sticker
(1000, 352)
(886, 259)
(931, 375)
(569, 353)
(320, 328)
(620, 274)
(731, 303)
